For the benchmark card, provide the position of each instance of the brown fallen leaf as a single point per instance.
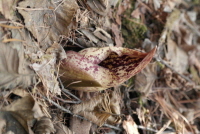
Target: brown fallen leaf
(174, 54)
(7, 8)
(130, 126)
(20, 114)
(47, 20)
(90, 35)
(14, 69)
(26, 107)
(103, 35)
(96, 69)
(100, 109)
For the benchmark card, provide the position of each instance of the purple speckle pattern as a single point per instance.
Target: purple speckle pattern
(107, 67)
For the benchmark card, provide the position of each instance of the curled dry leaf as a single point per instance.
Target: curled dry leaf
(7, 8)
(44, 126)
(104, 36)
(96, 69)
(100, 109)
(47, 19)
(19, 115)
(130, 126)
(115, 99)
(20, 92)
(26, 107)
(169, 5)
(144, 115)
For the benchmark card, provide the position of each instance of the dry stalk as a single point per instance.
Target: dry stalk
(178, 119)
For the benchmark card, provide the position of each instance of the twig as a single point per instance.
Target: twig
(164, 127)
(64, 109)
(163, 62)
(58, 106)
(146, 128)
(113, 127)
(67, 92)
(65, 101)
(59, 5)
(33, 9)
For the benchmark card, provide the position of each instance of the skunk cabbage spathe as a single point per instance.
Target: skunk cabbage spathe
(96, 69)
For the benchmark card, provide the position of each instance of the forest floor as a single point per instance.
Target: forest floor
(60, 67)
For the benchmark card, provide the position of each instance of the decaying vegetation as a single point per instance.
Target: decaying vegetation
(99, 66)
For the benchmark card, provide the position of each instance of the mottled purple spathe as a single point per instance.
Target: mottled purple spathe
(96, 69)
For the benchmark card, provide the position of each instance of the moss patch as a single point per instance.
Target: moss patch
(132, 29)
(133, 32)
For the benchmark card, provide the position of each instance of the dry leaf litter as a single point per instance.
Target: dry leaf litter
(99, 66)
